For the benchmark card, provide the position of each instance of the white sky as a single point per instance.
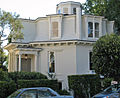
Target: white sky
(32, 8)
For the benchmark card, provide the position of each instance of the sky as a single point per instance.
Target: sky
(32, 8)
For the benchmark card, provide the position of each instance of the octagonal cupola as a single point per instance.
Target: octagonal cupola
(68, 7)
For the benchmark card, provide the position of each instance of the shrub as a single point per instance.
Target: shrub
(6, 88)
(38, 83)
(84, 86)
(63, 92)
(26, 75)
(107, 82)
(4, 76)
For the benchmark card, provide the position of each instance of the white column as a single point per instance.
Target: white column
(78, 22)
(93, 27)
(100, 28)
(36, 62)
(16, 63)
(49, 19)
(19, 62)
(86, 27)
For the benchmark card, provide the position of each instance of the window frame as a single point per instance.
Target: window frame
(74, 10)
(90, 60)
(50, 62)
(93, 30)
(97, 30)
(65, 10)
(55, 29)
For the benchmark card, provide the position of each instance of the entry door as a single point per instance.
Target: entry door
(26, 64)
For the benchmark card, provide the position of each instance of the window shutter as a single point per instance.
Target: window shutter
(65, 10)
(55, 29)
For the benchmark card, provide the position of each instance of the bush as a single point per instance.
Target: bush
(38, 83)
(6, 88)
(63, 92)
(84, 86)
(26, 75)
(4, 76)
(107, 82)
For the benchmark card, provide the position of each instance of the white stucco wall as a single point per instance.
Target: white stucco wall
(42, 30)
(82, 59)
(29, 30)
(69, 28)
(65, 61)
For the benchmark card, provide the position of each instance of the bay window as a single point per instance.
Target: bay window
(93, 30)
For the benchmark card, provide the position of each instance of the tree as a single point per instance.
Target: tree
(3, 60)
(107, 8)
(10, 22)
(106, 56)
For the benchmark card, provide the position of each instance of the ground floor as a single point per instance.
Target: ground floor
(55, 59)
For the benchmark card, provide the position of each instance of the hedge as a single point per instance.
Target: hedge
(26, 75)
(4, 76)
(6, 88)
(107, 82)
(38, 83)
(84, 86)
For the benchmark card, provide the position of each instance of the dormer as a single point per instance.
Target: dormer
(68, 7)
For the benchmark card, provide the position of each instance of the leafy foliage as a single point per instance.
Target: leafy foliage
(38, 83)
(3, 59)
(26, 75)
(6, 88)
(106, 56)
(84, 86)
(107, 8)
(11, 22)
(4, 76)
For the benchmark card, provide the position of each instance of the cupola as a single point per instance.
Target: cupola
(68, 7)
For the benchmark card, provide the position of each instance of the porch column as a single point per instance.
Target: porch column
(16, 65)
(19, 62)
(36, 62)
(9, 62)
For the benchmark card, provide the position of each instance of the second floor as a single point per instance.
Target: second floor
(62, 26)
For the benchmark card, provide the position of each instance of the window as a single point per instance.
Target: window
(45, 93)
(90, 60)
(51, 62)
(29, 94)
(74, 10)
(93, 30)
(65, 10)
(96, 30)
(54, 29)
(90, 29)
(59, 11)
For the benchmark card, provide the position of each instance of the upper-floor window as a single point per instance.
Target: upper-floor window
(74, 10)
(93, 30)
(65, 10)
(51, 62)
(54, 29)
(96, 30)
(90, 29)
(59, 11)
